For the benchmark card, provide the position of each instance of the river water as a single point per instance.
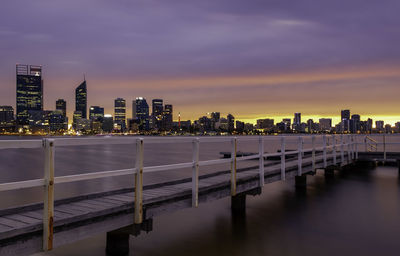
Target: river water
(356, 214)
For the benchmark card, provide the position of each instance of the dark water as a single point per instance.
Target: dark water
(356, 214)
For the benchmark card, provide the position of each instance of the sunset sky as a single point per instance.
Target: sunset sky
(254, 59)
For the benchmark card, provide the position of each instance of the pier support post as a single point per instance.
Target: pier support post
(117, 243)
(238, 204)
(301, 182)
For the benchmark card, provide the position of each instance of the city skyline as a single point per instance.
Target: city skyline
(252, 60)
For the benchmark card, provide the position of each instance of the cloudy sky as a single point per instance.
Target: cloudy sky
(254, 58)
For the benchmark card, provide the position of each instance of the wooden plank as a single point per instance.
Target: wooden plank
(34, 214)
(23, 219)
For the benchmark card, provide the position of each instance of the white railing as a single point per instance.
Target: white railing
(49, 181)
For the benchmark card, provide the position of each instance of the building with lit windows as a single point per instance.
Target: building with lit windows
(141, 113)
(81, 99)
(29, 91)
(120, 114)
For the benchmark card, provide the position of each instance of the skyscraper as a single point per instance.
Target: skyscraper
(157, 113)
(29, 91)
(297, 122)
(167, 117)
(345, 120)
(120, 113)
(62, 106)
(81, 99)
(141, 113)
(231, 123)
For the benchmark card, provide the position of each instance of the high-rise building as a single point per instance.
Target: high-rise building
(81, 99)
(141, 113)
(297, 122)
(61, 105)
(215, 116)
(96, 113)
(29, 91)
(120, 114)
(355, 123)
(157, 113)
(167, 117)
(231, 122)
(345, 120)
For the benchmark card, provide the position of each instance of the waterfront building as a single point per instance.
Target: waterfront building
(167, 117)
(297, 122)
(355, 125)
(215, 116)
(7, 123)
(231, 123)
(61, 105)
(57, 122)
(81, 99)
(325, 124)
(239, 126)
(157, 106)
(29, 91)
(266, 124)
(39, 121)
(141, 113)
(96, 113)
(380, 126)
(108, 123)
(345, 120)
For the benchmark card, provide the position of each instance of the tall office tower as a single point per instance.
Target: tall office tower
(231, 122)
(96, 113)
(157, 113)
(297, 122)
(141, 113)
(215, 116)
(61, 105)
(81, 99)
(29, 91)
(345, 120)
(120, 113)
(168, 117)
(355, 123)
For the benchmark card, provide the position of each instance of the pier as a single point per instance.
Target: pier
(126, 212)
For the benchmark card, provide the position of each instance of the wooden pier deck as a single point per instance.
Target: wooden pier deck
(22, 228)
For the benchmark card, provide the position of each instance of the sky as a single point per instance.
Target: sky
(254, 58)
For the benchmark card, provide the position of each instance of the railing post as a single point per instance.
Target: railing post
(334, 149)
(341, 149)
(48, 203)
(233, 166)
(195, 173)
(352, 148)
(313, 152)
(300, 157)
(384, 147)
(324, 150)
(261, 159)
(283, 160)
(139, 182)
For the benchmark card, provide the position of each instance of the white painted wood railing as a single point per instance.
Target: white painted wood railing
(48, 181)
